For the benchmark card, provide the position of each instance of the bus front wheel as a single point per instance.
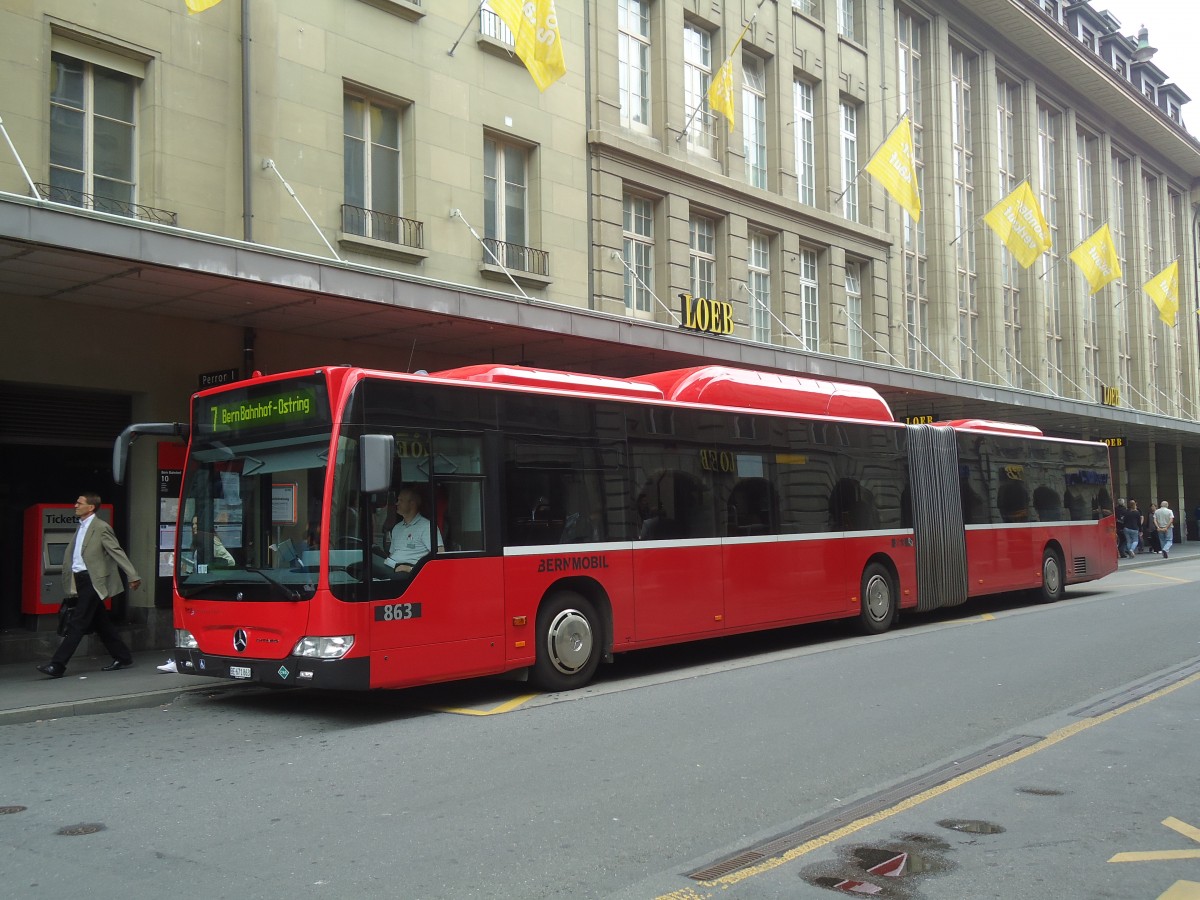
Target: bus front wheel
(1052, 577)
(568, 642)
(878, 600)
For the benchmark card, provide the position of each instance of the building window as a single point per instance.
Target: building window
(961, 68)
(910, 38)
(754, 119)
(371, 164)
(1119, 225)
(759, 263)
(93, 148)
(506, 203)
(633, 27)
(809, 335)
(1086, 158)
(1049, 126)
(697, 76)
(1159, 343)
(808, 7)
(806, 155)
(854, 315)
(847, 21)
(702, 243)
(1007, 99)
(638, 252)
(849, 118)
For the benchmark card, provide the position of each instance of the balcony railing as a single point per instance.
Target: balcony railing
(491, 25)
(382, 227)
(106, 204)
(514, 256)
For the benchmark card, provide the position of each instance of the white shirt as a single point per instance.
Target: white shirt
(410, 542)
(77, 556)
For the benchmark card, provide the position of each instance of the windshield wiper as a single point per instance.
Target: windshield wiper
(287, 592)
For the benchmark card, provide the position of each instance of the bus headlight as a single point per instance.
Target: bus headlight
(185, 639)
(324, 647)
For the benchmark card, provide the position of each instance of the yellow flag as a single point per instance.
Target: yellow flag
(720, 92)
(195, 6)
(1097, 259)
(534, 25)
(1019, 222)
(1163, 289)
(895, 167)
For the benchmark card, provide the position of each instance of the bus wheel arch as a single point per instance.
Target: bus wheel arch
(572, 634)
(879, 595)
(1053, 574)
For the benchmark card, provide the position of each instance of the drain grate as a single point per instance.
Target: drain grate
(1138, 691)
(783, 843)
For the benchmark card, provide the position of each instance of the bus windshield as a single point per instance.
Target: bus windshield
(250, 516)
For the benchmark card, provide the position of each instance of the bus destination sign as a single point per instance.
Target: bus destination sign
(273, 406)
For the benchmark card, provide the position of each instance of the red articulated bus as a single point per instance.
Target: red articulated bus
(353, 529)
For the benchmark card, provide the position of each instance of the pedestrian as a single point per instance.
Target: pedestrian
(1149, 532)
(91, 570)
(1164, 524)
(1122, 541)
(1131, 524)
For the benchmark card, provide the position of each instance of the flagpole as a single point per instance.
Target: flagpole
(863, 168)
(463, 34)
(979, 219)
(728, 58)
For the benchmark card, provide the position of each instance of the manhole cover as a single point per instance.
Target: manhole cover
(972, 826)
(9, 810)
(1041, 792)
(83, 828)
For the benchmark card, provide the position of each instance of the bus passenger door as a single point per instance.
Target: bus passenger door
(677, 568)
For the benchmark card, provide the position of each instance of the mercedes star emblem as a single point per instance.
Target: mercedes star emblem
(239, 640)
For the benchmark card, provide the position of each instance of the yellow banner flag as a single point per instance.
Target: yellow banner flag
(534, 25)
(1163, 289)
(720, 92)
(1097, 259)
(196, 6)
(1019, 222)
(895, 167)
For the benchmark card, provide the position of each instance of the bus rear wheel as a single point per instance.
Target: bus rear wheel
(878, 600)
(568, 642)
(1052, 577)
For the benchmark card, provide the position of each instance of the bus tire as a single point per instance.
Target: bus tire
(569, 642)
(878, 599)
(1052, 577)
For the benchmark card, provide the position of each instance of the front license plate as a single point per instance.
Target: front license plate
(239, 671)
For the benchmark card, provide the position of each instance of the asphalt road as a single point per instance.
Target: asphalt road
(674, 760)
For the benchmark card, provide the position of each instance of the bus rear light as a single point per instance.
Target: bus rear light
(185, 639)
(324, 647)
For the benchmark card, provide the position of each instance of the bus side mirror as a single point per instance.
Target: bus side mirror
(375, 455)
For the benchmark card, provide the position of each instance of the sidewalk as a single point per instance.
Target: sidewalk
(26, 695)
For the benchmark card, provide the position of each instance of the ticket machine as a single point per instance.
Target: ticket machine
(48, 530)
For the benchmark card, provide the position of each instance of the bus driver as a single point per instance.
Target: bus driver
(410, 536)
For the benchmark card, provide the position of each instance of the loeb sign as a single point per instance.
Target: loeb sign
(712, 316)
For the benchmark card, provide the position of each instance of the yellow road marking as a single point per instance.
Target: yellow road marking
(1182, 890)
(1168, 577)
(1188, 831)
(987, 617)
(506, 706)
(917, 799)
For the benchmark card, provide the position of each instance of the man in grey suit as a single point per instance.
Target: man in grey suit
(90, 574)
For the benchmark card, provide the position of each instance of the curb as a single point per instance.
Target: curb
(118, 703)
